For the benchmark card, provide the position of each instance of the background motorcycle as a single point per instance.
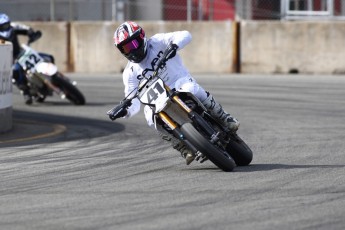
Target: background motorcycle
(183, 116)
(43, 76)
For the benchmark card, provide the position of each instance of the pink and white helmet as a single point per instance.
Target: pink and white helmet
(130, 39)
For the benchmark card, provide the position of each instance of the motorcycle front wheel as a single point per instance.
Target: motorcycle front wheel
(216, 155)
(72, 93)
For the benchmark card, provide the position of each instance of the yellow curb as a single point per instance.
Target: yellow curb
(57, 129)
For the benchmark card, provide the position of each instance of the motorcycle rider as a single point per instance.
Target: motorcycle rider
(9, 31)
(142, 54)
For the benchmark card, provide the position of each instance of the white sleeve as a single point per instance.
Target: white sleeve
(19, 26)
(134, 108)
(131, 82)
(180, 38)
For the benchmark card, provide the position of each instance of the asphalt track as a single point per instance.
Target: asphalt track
(69, 167)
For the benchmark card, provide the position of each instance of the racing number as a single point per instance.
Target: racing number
(32, 61)
(154, 92)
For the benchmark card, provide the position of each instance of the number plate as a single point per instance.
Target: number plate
(29, 59)
(154, 93)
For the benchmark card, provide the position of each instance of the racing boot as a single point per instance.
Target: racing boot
(218, 113)
(28, 99)
(185, 152)
(26, 94)
(179, 146)
(20, 81)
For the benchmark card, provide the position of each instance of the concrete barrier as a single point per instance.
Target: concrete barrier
(5, 86)
(283, 47)
(88, 46)
(265, 46)
(211, 49)
(92, 47)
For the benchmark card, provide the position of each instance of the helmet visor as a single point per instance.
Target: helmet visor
(131, 46)
(4, 27)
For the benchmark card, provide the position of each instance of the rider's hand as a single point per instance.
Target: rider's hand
(34, 35)
(171, 51)
(38, 33)
(115, 113)
(120, 110)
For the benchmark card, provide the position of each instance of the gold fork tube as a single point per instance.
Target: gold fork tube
(167, 120)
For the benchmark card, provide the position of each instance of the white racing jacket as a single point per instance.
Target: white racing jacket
(174, 70)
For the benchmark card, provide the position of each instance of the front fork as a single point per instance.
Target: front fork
(195, 117)
(198, 120)
(176, 130)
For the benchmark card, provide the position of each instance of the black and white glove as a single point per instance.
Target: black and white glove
(171, 51)
(120, 110)
(115, 114)
(34, 35)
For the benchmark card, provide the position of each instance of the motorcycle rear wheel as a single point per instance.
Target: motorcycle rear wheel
(239, 151)
(40, 99)
(72, 93)
(217, 156)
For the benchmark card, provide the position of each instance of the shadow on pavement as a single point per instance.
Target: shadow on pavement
(36, 128)
(268, 167)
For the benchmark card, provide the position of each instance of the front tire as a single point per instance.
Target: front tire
(217, 156)
(72, 93)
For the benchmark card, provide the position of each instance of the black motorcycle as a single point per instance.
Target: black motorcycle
(182, 115)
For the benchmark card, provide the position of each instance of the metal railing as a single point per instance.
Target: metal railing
(190, 10)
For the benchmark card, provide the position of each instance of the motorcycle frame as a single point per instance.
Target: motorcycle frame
(173, 104)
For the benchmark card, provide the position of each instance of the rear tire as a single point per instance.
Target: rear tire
(72, 93)
(217, 156)
(40, 99)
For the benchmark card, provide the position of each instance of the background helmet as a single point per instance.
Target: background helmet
(5, 26)
(130, 39)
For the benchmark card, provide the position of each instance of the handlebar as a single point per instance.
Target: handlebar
(34, 36)
(169, 53)
(123, 104)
